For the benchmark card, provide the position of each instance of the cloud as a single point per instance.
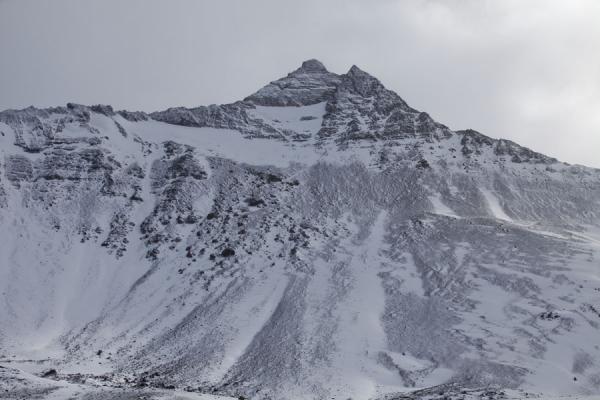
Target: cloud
(524, 70)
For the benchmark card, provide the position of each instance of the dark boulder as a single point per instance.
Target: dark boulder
(228, 252)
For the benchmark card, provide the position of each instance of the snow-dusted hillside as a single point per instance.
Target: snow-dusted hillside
(319, 239)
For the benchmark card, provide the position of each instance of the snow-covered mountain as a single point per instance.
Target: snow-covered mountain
(320, 239)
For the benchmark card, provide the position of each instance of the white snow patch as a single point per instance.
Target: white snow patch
(360, 335)
(227, 143)
(303, 120)
(440, 208)
(494, 205)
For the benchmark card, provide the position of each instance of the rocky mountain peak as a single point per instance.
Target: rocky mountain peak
(312, 66)
(309, 84)
(362, 82)
(355, 70)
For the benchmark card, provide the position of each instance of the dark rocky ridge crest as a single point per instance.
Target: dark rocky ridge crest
(362, 83)
(311, 66)
(310, 84)
(350, 98)
(473, 142)
(358, 107)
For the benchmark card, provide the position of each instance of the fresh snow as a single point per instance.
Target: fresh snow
(359, 270)
(303, 120)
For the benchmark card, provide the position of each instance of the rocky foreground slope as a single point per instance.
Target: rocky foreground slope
(320, 239)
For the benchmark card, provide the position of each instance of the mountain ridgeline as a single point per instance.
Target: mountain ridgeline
(318, 239)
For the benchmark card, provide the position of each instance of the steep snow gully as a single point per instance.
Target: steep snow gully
(320, 239)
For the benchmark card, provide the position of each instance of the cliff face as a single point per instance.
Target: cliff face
(319, 239)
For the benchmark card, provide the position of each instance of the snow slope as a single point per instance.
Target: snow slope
(319, 239)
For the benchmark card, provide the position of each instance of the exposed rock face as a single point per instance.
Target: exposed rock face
(474, 142)
(362, 108)
(319, 239)
(358, 107)
(18, 168)
(309, 84)
(36, 129)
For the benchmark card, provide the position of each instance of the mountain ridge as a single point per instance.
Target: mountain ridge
(235, 115)
(318, 239)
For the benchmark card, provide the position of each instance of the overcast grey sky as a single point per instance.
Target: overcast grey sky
(527, 70)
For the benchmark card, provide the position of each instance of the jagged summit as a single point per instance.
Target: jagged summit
(354, 69)
(309, 84)
(312, 83)
(363, 83)
(312, 66)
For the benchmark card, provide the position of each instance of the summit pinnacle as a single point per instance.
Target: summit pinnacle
(313, 65)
